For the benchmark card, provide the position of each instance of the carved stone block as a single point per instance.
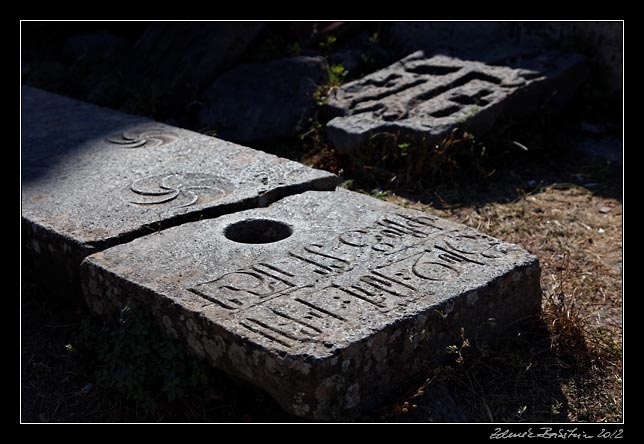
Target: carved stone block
(330, 301)
(93, 178)
(424, 98)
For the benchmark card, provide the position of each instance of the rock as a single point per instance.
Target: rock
(264, 101)
(190, 55)
(330, 301)
(93, 178)
(360, 54)
(424, 98)
(605, 149)
(316, 31)
(601, 41)
(456, 38)
(95, 47)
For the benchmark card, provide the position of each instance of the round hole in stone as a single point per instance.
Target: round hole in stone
(257, 231)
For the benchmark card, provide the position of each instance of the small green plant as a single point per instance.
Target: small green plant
(295, 49)
(403, 148)
(320, 95)
(366, 59)
(555, 408)
(336, 75)
(470, 113)
(326, 45)
(133, 358)
(315, 127)
(458, 349)
(380, 194)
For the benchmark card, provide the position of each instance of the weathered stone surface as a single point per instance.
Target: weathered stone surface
(455, 38)
(426, 97)
(93, 177)
(601, 41)
(330, 301)
(264, 101)
(180, 54)
(94, 47)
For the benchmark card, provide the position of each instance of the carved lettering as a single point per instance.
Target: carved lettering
(245, 287)
(323, 261)
(476, 244)
(304, 295)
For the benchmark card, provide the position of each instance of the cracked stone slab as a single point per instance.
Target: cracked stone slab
(93, 177)
(330, 301)
(425, 97)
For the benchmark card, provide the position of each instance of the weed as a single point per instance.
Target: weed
(458, 349)
(555, 408)
(380, 194)
(295, 49)
(566, 322)
(326, 45)
(337, 73)
(391, 160)
(134, 359)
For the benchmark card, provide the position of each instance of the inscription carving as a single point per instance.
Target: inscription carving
(178, 189)
(149, 138)
(244, 287)
(303, 295)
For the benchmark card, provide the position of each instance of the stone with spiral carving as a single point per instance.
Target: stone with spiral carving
(178, 189)
(148, 138)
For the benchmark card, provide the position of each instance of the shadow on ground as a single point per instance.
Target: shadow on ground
(518, 379)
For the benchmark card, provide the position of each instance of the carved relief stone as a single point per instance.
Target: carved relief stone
(93, 177)
(425, 97)
(331, 301)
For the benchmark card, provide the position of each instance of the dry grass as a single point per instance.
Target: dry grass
(567, 367)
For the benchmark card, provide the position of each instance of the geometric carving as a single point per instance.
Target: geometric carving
(148, 138)
(426, 97)
(179, 189)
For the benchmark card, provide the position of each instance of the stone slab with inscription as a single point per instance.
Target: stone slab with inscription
(93, 178)
(425, 97)
(330, 301)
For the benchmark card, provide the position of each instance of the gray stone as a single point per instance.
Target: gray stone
(601, 41)
(457, 38)
(425, 98)
(359, 54)
(93, 177)
(265, 101)
(95, 47)
(177, 55)
(330, 301)
(486, 42)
